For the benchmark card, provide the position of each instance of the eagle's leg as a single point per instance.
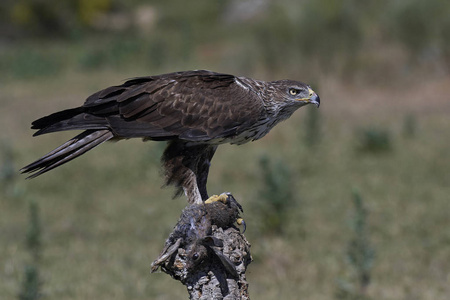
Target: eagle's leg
(202, 170)
(186, 167)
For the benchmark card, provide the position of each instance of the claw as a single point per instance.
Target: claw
(232, 199)
(241, 222)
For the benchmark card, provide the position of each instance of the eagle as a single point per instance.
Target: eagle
(193, 111)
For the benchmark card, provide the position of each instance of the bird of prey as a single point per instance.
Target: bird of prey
(194, 111)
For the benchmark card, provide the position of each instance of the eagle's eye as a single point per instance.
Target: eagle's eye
(293, 91)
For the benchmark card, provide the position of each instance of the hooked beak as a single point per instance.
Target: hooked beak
(313, 98)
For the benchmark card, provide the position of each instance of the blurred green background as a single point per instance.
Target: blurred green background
(350, 201)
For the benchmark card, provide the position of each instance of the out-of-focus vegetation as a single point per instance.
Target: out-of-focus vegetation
(374, 140)
(31, 285)
(359, 256)
(275, 196)
(383, 71)
(374, 40)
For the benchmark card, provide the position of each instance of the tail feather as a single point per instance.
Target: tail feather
(56, 117)
(69, 119)
(73, 148)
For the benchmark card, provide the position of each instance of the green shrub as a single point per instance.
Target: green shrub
(32, 284)
(359, 256)
(33, 237)
(374, 140)
(275, 196)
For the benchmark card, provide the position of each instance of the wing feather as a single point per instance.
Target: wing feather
(193, 105)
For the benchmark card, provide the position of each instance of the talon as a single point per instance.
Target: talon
(222, 198)
(232, 199)
(241, 222)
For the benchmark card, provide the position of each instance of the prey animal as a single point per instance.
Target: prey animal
(194, 111)
(194, 235)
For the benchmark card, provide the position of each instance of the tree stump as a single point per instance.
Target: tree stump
(207, 253)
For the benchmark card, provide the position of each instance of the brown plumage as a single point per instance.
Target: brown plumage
(194, 111)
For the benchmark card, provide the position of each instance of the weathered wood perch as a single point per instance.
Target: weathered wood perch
(207, 253)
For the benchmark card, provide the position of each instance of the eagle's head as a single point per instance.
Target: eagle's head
(295, 93)
(287, 96)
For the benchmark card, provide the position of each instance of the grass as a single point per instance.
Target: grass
(359, 256)
(31, 285)
(105, 218)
